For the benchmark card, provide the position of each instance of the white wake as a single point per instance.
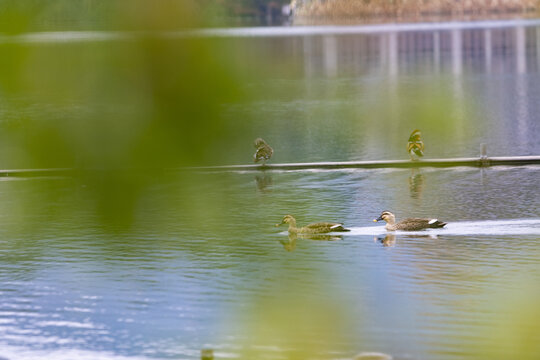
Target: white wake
(486, 227)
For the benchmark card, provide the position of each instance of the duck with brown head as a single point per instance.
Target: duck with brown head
(409, 224)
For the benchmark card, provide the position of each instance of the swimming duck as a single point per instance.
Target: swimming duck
(315, 228)
(264, 151)
(410, 224)
(415, 145)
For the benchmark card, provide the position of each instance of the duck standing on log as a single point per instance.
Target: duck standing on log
(409, 224)
(264, 151)
(415, 145)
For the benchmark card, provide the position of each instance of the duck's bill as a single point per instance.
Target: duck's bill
(277, 225)
(378, 219)
(375, 220)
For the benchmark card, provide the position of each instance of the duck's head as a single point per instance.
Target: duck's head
(259, 142)
(415, 135)
(386, 216)
(287, 219)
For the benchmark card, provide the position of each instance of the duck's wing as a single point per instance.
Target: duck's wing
(264, 152)
(261, 154)
(414, 224)
(415, 148)
(418, 150)
(338, 227)
(322, 227)
(435, 223)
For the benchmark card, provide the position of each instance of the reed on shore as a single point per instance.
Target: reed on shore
(411, 10)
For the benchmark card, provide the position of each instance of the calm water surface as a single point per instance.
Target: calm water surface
(73, 288)
(166, 292)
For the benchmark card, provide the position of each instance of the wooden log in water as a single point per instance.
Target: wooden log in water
(381, 164)
(36, 172)
(376, 164)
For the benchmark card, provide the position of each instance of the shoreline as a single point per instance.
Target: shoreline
(345, 12)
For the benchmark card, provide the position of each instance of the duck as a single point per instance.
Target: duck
(409, 224)
(315, 228)
(415, 145)
(264, 151)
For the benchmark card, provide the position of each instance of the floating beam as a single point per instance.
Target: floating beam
(37, 172)
(381, 164)
(440, 163)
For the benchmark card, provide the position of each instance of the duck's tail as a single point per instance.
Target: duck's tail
(434, 223)
(339, 228)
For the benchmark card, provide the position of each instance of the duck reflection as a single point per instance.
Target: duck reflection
(416, 183)
(264, 182)
(289, 244)
(389, 240)
(321, 237)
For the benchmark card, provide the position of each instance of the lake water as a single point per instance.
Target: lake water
(74, 288)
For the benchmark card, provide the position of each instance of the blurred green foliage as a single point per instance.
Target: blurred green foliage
(57, 15)
(289, 319)
(515, 333)
(129, 109)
